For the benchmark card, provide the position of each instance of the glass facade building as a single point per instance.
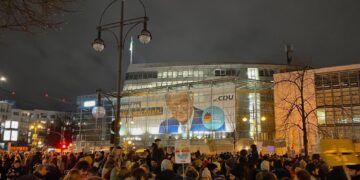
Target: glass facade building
(338, 103)
(200, 102)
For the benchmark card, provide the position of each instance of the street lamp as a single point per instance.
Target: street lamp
(99, 45)
(244, 119)
(3, 79)
(35, 137)
(263, 118)
(145, 35)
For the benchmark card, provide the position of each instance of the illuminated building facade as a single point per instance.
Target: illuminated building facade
(332, 99)
(201, 102)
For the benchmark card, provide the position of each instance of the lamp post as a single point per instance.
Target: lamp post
(35, 137)
(99, 45)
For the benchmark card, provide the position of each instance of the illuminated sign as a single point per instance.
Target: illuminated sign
(91, 103)
(205, 109)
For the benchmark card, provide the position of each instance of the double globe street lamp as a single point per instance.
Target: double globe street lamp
(99, 45)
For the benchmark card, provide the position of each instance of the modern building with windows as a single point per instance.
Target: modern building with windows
(201, 102)
(332, 96)
(5, 113)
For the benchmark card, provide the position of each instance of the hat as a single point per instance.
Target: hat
(218, 166)
(166, 165)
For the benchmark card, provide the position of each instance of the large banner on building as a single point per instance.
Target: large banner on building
(180, 112)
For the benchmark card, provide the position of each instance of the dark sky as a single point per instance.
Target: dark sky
(62, 63)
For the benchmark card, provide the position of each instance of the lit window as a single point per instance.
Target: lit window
(320, 113)
(196, 73)
(253, 73)
(7, 124)
(7, 134)
(159, 74)
(14, 136)
(175, 74)
(201, 73)
(180, 74)
(164, 74)
(14, 124)
(185, 73)
(190, 73)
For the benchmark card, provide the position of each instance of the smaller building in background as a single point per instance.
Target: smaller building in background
(5, 113)
(16, 125)
(331, 102)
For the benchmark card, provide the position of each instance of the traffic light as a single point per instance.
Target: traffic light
(63, 146)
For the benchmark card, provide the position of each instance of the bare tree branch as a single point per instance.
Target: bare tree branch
(28, 15)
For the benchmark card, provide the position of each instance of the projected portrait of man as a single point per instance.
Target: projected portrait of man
(184, 116)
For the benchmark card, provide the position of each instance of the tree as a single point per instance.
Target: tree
(63, 122)
(295, 101)
(27, 15)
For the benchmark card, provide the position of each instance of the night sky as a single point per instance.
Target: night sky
(63, 64)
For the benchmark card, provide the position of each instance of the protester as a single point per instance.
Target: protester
(155, 164)
(73, 174)
(16, 170)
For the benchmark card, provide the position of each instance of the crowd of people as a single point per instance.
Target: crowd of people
(157, 163)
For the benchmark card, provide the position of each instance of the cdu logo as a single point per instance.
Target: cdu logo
(224, 98)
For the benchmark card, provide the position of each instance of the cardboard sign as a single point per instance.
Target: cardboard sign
(182, 152)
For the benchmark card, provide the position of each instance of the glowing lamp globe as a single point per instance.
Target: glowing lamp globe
(145, 36)
(98, 112)
(98, 45)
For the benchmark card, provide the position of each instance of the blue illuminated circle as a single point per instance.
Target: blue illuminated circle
(213, 118)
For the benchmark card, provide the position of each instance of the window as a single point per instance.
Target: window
(231, 72)
(180, 74)
(185, 73)
(326, 81)
(261, 72)
(164, 75)
(7, 124)
(196, 73)
(16, 113)
(334, 80)
(220, 72)
(318, 81)
(344, 79)
(14, 124)
(253, 73)
(201, 73)
(7, 135)
(320, 113)
(353, 79)
(191, 73)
